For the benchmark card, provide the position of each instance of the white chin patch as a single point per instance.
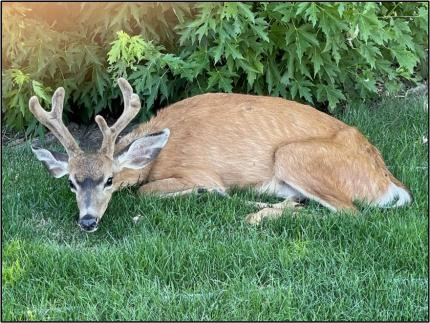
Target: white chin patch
(89, 231)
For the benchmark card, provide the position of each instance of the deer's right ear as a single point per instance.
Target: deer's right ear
(56, 163)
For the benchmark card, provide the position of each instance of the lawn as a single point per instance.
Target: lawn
(194, 258)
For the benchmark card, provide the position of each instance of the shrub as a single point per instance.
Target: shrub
(320, 53)
(43, 51)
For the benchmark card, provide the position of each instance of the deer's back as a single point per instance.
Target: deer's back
(232, 135)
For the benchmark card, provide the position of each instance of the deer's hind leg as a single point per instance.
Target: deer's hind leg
(313, 169)
(334, 171)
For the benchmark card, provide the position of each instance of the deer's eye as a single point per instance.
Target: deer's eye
(108, 182)
(71, 184)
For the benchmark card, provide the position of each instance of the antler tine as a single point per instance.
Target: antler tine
(53, 120)
(131, 109)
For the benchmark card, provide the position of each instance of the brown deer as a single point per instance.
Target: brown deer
(214, 141)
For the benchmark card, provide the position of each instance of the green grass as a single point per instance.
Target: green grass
(194, 258)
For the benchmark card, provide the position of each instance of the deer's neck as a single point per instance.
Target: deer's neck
(129, 177)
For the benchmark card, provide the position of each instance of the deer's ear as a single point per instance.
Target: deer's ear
(56, 163)
(143, 150)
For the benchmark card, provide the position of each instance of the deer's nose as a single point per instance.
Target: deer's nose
(88, 223)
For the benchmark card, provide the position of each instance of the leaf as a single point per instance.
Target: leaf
(366, 83)
(217, 52)
(91, 57)
(232, 50)
(368, 24)
(115, 52)
(101, 80)
(341, 9)
(334, 96)
(286, 10)
(386, 66)
(252, 68)
(312, 13)
(260, 28)
(290, 34)
(226, 84)
(402, 33)
(149, 102)
(202, 31)
(307, 33)
(301, 7)
(304, 40)
(330, 24)
(392, 87)
(164, 89)
(369, 53)
(19, 78)
(422, 18)
(289, 72)
(222, 78)
(317, 61)
(245, 11)
(272, 74)
(229, 10)
(331, 94)
(405, 58)
(304, 68)
(40, 91)
(304, 91)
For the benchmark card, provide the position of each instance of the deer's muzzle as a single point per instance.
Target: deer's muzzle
(88, 223)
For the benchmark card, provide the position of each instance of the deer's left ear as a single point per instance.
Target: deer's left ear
(143, 150)
(56, 163)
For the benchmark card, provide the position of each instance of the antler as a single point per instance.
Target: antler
(53, 120)
(131, 109)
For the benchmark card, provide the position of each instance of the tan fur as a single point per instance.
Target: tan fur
(92, 166)
(226, 140)
(232, 136)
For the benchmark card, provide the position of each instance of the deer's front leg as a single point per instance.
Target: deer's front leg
(171, 187)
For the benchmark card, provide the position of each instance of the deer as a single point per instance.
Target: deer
(215, 141)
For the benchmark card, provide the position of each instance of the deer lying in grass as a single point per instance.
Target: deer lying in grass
(216, 141)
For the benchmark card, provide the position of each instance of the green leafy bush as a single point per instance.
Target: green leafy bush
(313, 52)
(320, 53)
(44, 51)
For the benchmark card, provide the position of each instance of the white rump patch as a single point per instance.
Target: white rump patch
(394, 194)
